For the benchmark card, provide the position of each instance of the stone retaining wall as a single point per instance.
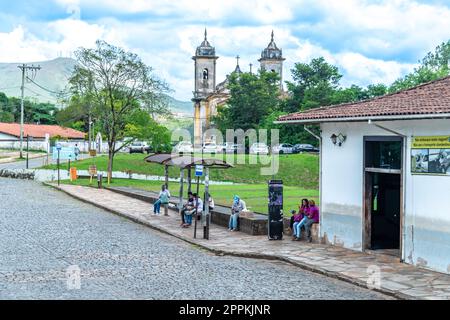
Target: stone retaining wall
(5, 173)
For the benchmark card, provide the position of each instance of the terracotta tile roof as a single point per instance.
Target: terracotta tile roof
(432, 98)
(39, 131)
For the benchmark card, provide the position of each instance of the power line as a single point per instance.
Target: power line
(45, 89)
(38, 94)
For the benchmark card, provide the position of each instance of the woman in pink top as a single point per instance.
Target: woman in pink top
(298, 220)
(311, 218)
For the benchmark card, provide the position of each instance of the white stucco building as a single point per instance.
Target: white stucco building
(385, 174)
(39, 136)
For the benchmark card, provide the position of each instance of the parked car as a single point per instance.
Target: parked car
(139, 146)
(183, 147)
(211, 147)
(234, 148)
(259, 148)
(305, 148)
(283, 148)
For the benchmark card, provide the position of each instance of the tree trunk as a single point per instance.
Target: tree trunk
(110, 163)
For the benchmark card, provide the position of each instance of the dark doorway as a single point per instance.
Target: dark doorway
(383, 192)
(384, 210)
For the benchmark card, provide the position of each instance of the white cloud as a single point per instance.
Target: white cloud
(22, 45)
(368, 40)
(385, 27)
(364, 71)
(357, 68)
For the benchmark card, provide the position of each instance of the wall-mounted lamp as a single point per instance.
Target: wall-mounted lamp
(338, 139)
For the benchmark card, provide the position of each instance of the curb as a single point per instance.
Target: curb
(305, 266)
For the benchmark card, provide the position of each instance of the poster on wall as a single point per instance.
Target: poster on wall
(430, 155)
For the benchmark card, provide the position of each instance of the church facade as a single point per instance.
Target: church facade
(208, 95)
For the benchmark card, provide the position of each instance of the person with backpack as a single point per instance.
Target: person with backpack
(163, 199)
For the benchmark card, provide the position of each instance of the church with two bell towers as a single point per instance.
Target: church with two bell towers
(208, 95)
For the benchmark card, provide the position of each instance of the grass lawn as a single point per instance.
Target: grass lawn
(296, 170)
(255, 195)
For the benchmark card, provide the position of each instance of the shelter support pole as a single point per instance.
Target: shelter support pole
(206, 215)
(189, 180)
(180, 202)
(166, 176)
(196, 214)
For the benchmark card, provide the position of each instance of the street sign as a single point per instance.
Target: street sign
(198, 170)
(92, 170)
(65, 153)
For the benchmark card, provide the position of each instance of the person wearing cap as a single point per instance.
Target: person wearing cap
(236, 209)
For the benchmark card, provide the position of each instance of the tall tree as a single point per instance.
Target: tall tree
(252, 98)
(313, 86)
(117, 83)
(143, 127)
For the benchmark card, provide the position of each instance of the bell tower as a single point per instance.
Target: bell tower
(205, 84)
(272, 60)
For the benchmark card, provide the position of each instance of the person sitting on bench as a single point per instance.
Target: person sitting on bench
(193, 207)
(189, 206)
(163, 199)
(311, 218)
(236, 209)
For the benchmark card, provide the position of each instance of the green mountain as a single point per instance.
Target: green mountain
(48, 81)
(178, 106)
(52, 79)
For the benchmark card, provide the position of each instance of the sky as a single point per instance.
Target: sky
(370, 41)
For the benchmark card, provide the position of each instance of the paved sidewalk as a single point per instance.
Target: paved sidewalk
(397, 279)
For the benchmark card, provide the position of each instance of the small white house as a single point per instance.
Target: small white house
(38, 136)
(385, 174)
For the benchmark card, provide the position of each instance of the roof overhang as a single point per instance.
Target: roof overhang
(184, 161)
(366, 118)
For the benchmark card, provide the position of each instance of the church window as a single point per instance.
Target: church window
(205, 74)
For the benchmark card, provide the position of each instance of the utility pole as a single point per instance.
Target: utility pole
(24, 69)
(90, 123)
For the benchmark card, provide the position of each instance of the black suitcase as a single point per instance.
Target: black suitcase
(275, 230)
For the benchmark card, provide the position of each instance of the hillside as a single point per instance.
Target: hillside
(53, 76)
(185, 107)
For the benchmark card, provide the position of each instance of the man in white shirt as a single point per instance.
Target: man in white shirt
(200, 204)
(188, 212)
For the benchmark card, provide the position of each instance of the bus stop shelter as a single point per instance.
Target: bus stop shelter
(188, 162)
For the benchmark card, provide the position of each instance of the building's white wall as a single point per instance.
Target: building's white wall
(4, 136)
(342, 187)
(14, 143)
(427, 198)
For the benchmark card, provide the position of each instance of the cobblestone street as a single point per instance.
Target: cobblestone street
(44, 232)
